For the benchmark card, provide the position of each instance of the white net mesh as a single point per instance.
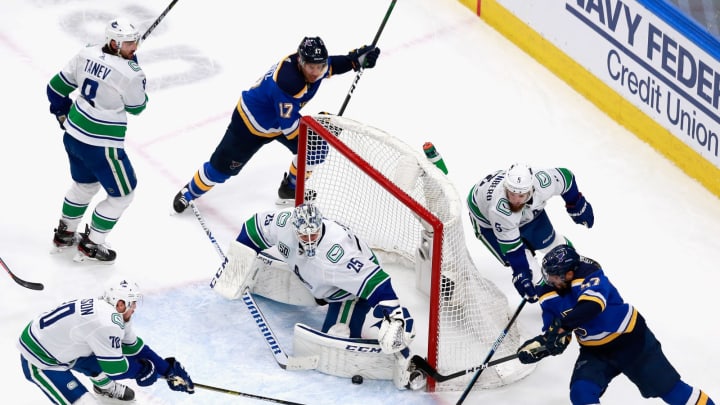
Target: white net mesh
(472, 312)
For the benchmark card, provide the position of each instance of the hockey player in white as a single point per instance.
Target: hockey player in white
(110, 84)
(339, 270)
(94, 337)
(507, 212)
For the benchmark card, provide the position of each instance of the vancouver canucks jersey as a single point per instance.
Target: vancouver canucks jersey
(272, 106)
(343, 267)
(591, 284)
(109, 88)
(79, 328)
(489, 206)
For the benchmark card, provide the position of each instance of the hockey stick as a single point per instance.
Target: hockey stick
(246, 395)
(492, 351)
(423, 365)
(283, 360)
(26, 284)
(362, 68)
(152, 27)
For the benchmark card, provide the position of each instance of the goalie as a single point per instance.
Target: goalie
(327, 260)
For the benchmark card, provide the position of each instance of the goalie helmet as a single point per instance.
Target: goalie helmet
(519, 179)
(127, 291)
(121, 30)
(307, 220)
(312, 50)
(560, 260)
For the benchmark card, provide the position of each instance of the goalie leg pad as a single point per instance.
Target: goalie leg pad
(237, 273)
(343, 357)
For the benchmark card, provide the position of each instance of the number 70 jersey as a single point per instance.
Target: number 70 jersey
(77, 328)
(109, 87)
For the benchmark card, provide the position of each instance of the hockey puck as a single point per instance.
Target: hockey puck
(357, 379)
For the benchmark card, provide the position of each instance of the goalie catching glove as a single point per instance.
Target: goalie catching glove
(397, 329)
(550, 343)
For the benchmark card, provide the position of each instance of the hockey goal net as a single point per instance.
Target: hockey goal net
(408, 211)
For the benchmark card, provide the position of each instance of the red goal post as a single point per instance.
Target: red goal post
(409, 212)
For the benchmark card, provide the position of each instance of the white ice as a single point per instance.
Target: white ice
(443, 76)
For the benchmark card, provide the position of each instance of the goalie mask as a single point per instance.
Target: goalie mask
(307, 220)
(127, 291)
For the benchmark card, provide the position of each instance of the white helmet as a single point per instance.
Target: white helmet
(121, 30)
(307, 220)
(519, 179)
(125, 290)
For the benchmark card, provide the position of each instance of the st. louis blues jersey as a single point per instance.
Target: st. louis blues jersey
(272, 106)
(343, 267)
(590, 283)
(109, 88)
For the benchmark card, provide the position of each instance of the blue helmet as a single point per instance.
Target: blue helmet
(312, 50)
(560, 260)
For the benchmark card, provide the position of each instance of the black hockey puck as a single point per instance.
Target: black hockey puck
(357, 379)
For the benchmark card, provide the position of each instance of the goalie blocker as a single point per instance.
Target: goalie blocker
(265, 275)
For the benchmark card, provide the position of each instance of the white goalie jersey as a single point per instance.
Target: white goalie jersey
(342, 268)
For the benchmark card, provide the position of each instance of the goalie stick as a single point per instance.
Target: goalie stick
(362, 69)
(26, 284)
(284, 361)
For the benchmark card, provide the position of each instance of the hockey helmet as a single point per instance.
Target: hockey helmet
(127, 291)
(519, 179)
(307, 220)
(560, 260)
(312, 50)
(121, 30)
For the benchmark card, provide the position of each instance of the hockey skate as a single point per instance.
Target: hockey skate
(406, 375)
(286, 193)
(63, 238)
(87, 249)
(115, 391)
(181, 201)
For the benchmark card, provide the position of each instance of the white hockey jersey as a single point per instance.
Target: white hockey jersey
(490, 208)
(78, 328)
(109, 88)
(343, 267)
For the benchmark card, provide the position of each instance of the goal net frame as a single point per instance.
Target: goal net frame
(429, 249)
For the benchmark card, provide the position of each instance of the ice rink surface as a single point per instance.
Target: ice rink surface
(443, 76)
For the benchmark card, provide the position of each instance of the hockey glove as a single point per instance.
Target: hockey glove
(177, 378)
(522, 280)
(581, 211)
(365, 57)
(61, 120)
(533, 350)
(555, 341)
(147, 375)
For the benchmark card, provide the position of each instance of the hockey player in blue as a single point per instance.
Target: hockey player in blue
(613, 336)
(270, 110)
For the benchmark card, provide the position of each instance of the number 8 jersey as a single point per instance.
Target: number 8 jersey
(109, 87)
